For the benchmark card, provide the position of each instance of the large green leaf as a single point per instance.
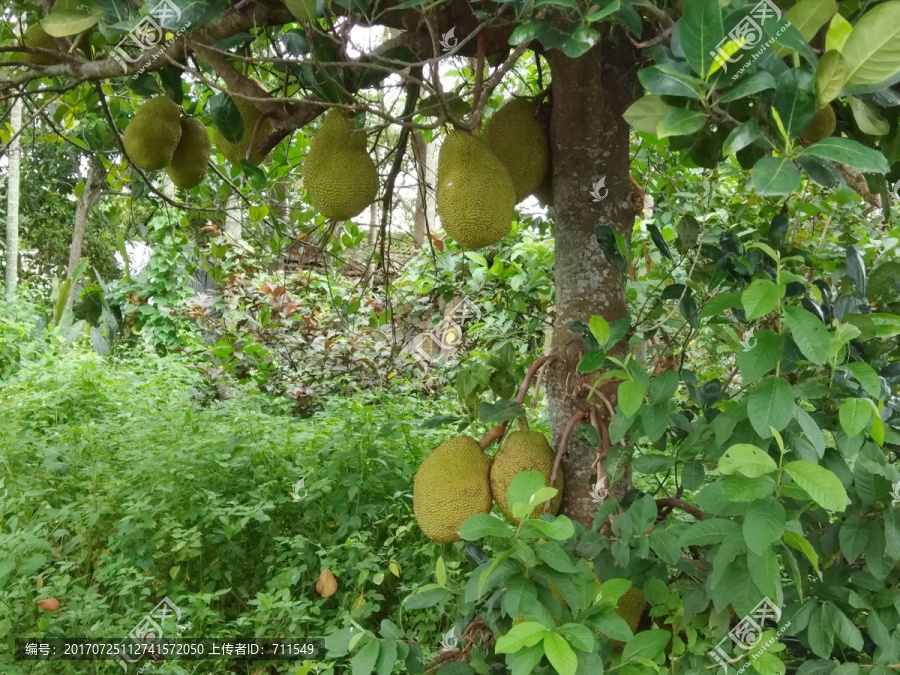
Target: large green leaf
(872, 51)
(809, 333)
(775, 176)
(746, 459)
(854, 537)
(763, 357)
(679, 122)
(648, 644)
(761, 297)
(526, 634)
(71, 17)
(808, 16)
(854, 415)
(830, 75)
(645, 113)
(849, 152)
(821, 484)
(631, 397)
(363, 662)
(560, 655)
(667, 80)
(795, 100)
(770, 405)
(700, 29)
(763, 525)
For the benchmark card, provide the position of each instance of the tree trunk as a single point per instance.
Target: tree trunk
(589, 140)
(426, 206)
(12, 204)
(93, 188)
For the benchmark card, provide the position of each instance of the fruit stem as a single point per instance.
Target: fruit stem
(492, 435)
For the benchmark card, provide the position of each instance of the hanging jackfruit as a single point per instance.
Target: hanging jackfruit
(631, 607)
(520, 141)
(338, 174)
(151, 137)
(475, 196)
(523, 451)
(451, 485)
(250, 114)
(821, 126)
(188, 167)
(36, 36)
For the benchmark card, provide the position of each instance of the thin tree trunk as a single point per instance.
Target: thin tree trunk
(12, 204)
(425, 197)
(589, 140)
(93, 189)
(234, 218)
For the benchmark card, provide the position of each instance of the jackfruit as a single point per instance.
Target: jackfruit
(631, 607)
(338, 174)
(523, 451)
(475, 195)
(152, 136)
(520, 141)
(36, 36)
(250, 114)
(188, 167)
(821, 126)
(451, 485)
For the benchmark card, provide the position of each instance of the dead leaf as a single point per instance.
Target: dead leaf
(327, 585)
(49, 604)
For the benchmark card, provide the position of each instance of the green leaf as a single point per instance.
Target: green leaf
(849, 152)
(799, 543)
(811, 430)
(363, 663)
(808, 16)
(592, 361)
(868, 118)
(761, 81)
(645, 113)
(501, 411)
(746, 459)
(679, 122)
(776, 176)
(739, 138)
(560, 655)
(226, 117)
(830, 75)
(611, 8)
(667, 80)
(854, 537)
(855, 414)
(387, 657)
(655, 420)
(71, 17)
(764, 356)
(708, 531)
(552, 554)
(482, 525)
(761, 297)
(821, 484)
(872, 51)
(526, 634)
(663, 387)
(846, 631)
(763, 525)
(739, 488)
(647, 644)
(795, 100)
(578, 636)
(886, 325)
(560, 528)
(440, 571)
(600, 330)
(700, 30)
(631, 397)
(867, 377)
(809, 333)
(770, 405)
(526, 32)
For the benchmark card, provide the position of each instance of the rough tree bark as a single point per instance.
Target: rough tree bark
(93, 188)
(12, 203)
(589, 139)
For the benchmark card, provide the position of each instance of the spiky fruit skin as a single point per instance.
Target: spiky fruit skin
(523, 451)
(305, 10)
(36, 36)
(188, 166)
(338, 174)
(475, 195)
(152, 136)
(235, 152)
(631, 607)
(451, 485)
(821, 126)
(520, 141)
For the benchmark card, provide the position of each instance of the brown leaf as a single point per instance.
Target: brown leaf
(49, 604)
(327, 585)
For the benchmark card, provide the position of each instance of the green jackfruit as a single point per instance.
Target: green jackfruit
(36, 36)
(338, 174)
(451, 485)
(250, 114)
(188, 167)
(523, 451)
(476, 199)
(152, 136)
(631, 607)
(821, 126)
(520, 141)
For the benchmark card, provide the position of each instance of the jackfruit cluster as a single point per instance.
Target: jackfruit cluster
(36, 36)
(152, 136)
(476, 198)
(234, 152)
(450, 485)
(523, 451)
(189, 163)
(821, 126)
(338, 174)
(520, 141)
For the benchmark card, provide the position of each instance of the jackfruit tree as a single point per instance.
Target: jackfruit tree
(770, 485)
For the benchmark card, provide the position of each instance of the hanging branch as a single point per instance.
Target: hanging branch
(671, 502)
(526, 383)
(494, 434)
(563, 446)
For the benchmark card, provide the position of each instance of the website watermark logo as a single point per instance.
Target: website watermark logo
(596, 188)
(747, 35)
(149, 34)
(148, 629)
(749, 341)
(297, 489)
(895, 492)
(3, 490)
(448, 40)
(445, 338)
(896, 190)
(747, 635)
